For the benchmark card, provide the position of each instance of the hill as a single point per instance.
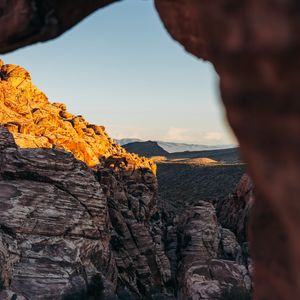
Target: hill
(181, 147)
(147, 149)
(37, 123)
(172, 147)
(76, 208)
(150, 149)
(222, 155)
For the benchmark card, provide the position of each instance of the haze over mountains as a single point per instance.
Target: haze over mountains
(177, 147)
(154, 149)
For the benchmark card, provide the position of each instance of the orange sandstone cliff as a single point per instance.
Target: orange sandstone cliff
(36, 123)
(87, 215)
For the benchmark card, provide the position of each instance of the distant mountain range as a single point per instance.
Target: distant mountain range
(150, 149)
(172, 147)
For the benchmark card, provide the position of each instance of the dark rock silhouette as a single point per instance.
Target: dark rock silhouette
(147, 149)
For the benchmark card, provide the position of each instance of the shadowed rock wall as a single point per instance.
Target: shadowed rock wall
(254, 47)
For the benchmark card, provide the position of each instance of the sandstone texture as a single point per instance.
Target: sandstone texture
(79, 219)
(208, 260)
(65, 227)
(78, 213)
(253, 45)
(36, 123)
(234, 211)
(54, 224)
(210, 256)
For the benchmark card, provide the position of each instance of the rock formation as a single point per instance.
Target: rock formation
(78, 213)
(254, 46)
(36, 123)
(206, 259)
(34, 21)
(54, 224)
(234, 211)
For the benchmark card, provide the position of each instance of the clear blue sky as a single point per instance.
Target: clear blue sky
(119, 68)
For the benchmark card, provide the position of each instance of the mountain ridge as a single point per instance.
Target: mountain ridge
(147, 149)
(176, 147)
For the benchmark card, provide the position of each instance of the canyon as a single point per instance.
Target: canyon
(80, 219)
(253, 46)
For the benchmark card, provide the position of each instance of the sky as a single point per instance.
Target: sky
(120, 68)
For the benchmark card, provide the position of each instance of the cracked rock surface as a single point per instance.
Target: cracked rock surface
(53, 223)
(78, 214)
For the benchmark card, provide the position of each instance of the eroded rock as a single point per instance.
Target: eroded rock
(36, 123)
(78, 212)
(209, 256)
(54, 224)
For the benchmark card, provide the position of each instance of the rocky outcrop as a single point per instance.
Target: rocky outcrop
(37, 123)
(234, 211)
(78, 213)
(54, 224)
(137, 236)
(207, 260)
(65, 227)
(254, 46)
(210, 256)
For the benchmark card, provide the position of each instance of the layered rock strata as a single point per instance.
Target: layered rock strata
(54, 224)
(78, 213)
(254, 46)
(79, 216)
(209, 257)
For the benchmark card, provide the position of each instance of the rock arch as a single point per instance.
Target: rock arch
(254, 46)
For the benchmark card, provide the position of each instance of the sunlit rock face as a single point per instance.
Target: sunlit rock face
(254, 47)
(36, 123)
(78, 214)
